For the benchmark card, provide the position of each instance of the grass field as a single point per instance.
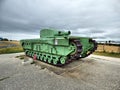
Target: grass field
(108, 48)
(11, 50)
(10, 47)
(9, 42)
(107, 54)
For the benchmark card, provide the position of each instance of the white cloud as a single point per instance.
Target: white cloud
(92, 18)
(18, 36)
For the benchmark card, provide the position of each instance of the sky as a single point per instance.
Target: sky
(23, 19)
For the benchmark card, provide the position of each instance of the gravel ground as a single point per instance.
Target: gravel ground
(92, 73)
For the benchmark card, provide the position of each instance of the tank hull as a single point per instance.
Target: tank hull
(58, 48)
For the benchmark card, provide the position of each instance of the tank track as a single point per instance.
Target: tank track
(70, 57)
(77, 54)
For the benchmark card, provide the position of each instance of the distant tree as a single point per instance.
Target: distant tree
(109, 42)
(106, 42)
(1, 38)
(5, 39)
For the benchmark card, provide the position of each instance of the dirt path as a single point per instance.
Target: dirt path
(91, 73)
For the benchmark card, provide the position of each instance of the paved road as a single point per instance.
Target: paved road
(92, 73)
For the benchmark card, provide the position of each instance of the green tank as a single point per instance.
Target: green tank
(58, 48)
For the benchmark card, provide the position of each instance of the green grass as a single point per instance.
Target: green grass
(17, 48)
(11, 50)
(107, 54)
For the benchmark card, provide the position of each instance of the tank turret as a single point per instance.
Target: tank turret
(52, 33)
